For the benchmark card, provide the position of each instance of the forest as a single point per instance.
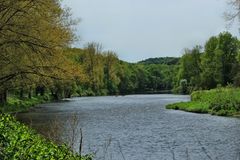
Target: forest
(200, 68)
(90, 71)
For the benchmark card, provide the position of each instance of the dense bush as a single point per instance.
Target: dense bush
(19, 142)
(223, 101)
(220, 101)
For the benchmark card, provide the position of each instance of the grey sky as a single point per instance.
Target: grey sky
(139, 29)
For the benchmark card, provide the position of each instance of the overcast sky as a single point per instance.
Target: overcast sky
(140, 29)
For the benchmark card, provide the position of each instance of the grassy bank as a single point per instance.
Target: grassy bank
(14, 104)
(20, 142)
(220, 101)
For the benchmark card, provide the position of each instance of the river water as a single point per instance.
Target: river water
(138, 127)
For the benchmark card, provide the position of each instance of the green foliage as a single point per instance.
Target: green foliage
(223, 101)
(237, 79)
(15, 104)
(238, 56)
(161, 60)
(220, 101)
(217, 64)
(35, 34)
(219, 60)
(197, 107)
(19, 142)
(102, 73)
(105, 74)
(183, 88)
(211, 66)
(190, 69)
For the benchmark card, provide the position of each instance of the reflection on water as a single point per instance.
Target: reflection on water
(138, 127)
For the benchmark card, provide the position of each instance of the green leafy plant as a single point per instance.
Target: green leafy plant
(220, 101)
(19, 142)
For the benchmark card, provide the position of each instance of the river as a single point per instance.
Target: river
(138, 127)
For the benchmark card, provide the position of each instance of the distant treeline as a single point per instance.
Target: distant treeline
(215, 64)
(104, 74)
(96, 72)
(161, 60)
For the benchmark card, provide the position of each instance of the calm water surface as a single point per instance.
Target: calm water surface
(138, 127)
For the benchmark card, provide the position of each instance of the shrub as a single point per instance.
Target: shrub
(19, 142)
(219, 101)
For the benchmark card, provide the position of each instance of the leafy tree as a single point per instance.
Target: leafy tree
(169, 74)
(211, 65)
(111, 67)
(94, 66)
(190, 67)
(228, 46)
(142, 79)
(219, 62)
(33, 33)
(127, 83)
(161, 60)
(155, 77)
(237, 71)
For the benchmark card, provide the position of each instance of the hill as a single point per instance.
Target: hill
(161, 60)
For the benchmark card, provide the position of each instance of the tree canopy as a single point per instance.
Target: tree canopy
(217, 65)
(33, 35)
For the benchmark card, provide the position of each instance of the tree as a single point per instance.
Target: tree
(111, 68)
(94, 66)
(143, 79)
(155, 77)
(235, 11)
(33, 33)
(228, 47)
(190, 67)
(211, 65)
(219, 63)
(127, 77)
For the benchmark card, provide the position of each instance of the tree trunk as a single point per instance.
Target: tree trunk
(40, 90)
(55, 96)
(3, 97)
(36, 91)
(30, 93)
(21, 93)
(67, 94)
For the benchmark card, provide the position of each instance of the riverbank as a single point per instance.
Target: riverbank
(14, 104)
(17, 141)
(20, 142)
(220, 101)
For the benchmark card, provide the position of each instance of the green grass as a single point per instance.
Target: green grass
(220, 101)
(18, 142)
(196, 107)
(15, 104)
